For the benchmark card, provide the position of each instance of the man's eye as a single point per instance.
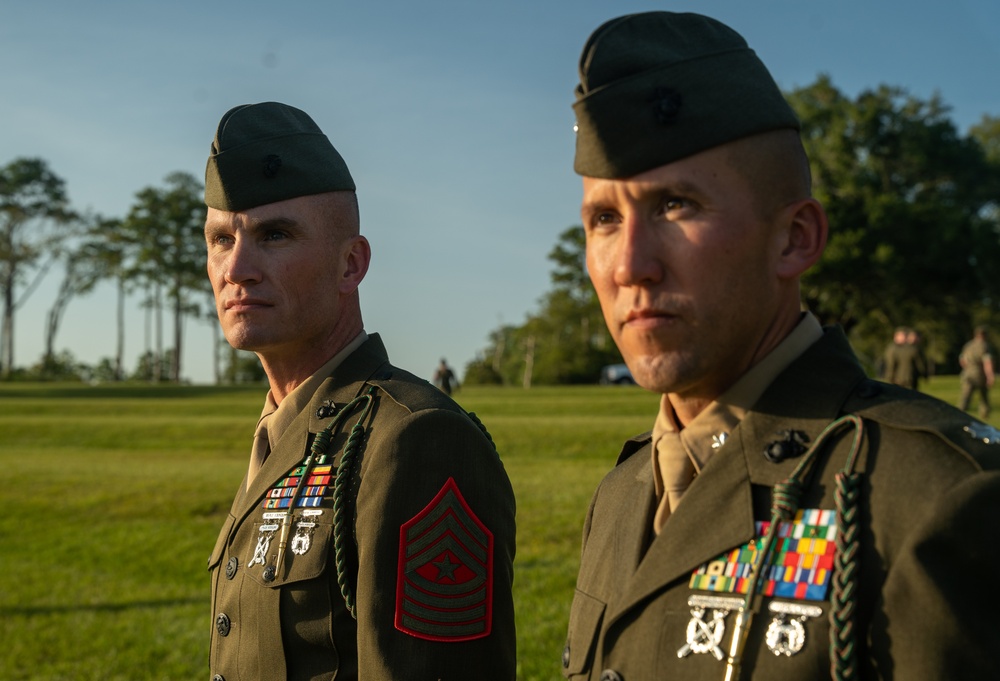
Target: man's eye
(674, 203)
(274, 236)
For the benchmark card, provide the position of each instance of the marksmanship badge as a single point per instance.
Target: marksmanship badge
(263, 544)
(304, 529)
(786, 634)
(706, 636)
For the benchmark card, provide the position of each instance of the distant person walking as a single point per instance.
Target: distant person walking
(445, 378)
(976, 360)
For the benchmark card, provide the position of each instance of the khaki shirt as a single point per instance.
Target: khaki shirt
(708, 431)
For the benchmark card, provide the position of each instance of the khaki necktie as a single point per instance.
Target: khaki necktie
(676, 472)
(261, 448)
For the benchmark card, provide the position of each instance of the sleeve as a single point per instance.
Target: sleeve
(435, 536)
(940, 598)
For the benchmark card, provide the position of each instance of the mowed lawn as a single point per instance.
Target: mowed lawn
(113, 497)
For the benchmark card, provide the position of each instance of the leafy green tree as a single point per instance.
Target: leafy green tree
(34, 219)
(987, 133)
(59, 367)
(151, 366)
(912, 238)
(167, 227)
(243, 367)
(565, 341)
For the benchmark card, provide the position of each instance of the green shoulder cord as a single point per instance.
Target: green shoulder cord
(479, 424)
(351, 449)
(785, 503)
(843, 664)
(319, 447)
(340, 525)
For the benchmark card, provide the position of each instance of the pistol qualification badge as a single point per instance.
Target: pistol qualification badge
(706, 636)
(304, 529)
(786, 634)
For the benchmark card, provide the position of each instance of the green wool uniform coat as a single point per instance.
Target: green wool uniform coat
(428, 550)
(928, 512)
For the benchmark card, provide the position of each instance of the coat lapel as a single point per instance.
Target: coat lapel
(717, 512)
(346, 383)
(703, 526)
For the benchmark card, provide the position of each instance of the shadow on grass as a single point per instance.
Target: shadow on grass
(29, 611)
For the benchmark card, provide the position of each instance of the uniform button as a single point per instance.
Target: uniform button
(610, 675)
(218, 677)
(222, 624)
(231, 567)
(565, 659)
(269, 573)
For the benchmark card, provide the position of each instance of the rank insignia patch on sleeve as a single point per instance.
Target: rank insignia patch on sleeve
(444, 587)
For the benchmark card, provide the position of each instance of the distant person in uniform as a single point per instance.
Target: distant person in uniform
(921, 368)
(373, 535)
(445, 378)
(890, 358)
(787, 518)
(904, 364)
(976, 360)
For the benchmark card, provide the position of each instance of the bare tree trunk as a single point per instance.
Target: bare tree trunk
(158, 354)
(498, 352)
(7, 332)
(529, 361)
(120, 350)
(54, 318)
(178, 338)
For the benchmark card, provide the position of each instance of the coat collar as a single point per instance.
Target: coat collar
(346, 383)
(717, 512)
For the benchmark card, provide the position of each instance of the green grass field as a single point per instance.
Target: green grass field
(113, 497)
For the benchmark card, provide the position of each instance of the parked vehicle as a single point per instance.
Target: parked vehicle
(616, 374)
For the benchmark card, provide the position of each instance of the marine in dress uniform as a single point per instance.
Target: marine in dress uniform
(373, 537)
(787, 518)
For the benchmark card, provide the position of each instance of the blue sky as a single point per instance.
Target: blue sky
(454, 117)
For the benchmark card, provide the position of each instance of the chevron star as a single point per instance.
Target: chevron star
(446, 569)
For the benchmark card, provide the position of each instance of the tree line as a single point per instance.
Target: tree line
(157, 250)
(914, 210)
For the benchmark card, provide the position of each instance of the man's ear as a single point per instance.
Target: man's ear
(803, 237)
(357, 254)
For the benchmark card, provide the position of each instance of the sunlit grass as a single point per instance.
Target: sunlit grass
(113, 497)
